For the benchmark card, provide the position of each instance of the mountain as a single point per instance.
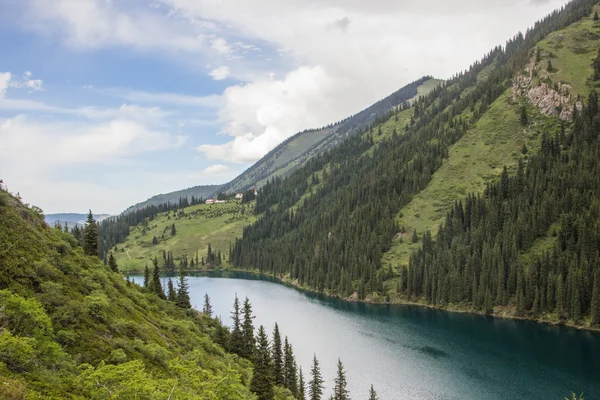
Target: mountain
(298, 149)
(73, 329)
(481, 196)
(198, 192)
(295, 151)
(72, 219)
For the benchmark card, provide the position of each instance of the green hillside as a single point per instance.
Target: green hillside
(195, 226)
(497, 138)
(350, 222)
(72, 329)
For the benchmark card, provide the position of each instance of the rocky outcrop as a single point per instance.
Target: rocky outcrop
(549, 100)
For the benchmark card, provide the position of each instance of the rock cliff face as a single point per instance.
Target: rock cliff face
(549, 100)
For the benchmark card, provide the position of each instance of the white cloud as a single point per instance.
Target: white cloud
(221, 46)
(38, 145)
(343, 55)
(216, 169)
(4, 82)
(220, 73)
(34, 85)
(138, 96)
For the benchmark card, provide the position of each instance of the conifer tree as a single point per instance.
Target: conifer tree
(183, 291)
(90, 236)
(373, 394)
(248, 341)
(146, 277)
(236, 341)
(301, 385)
(595, 15)
(315, 386)
(289, 369)
(340, 390)
(112, 263)
(173, 230)
(207, 308)
(415, 237)
(595, 307)
(277, 357)
(524, 116)
(549, 68)
(172, 294)
(155, 284)
(262, 379)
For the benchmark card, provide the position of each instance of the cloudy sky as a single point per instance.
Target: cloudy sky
(104, 103)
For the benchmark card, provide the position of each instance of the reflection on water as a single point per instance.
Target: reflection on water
(415, 352)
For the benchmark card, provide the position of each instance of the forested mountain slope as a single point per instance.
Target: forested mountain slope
(298, 149)
(70, 328)
(329, 225)
(198, 192)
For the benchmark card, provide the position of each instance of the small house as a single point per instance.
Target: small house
(239, 196)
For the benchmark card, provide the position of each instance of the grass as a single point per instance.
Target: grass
(478, 157)
(572, 51)
(217, 224)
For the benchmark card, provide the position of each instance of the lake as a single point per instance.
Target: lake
(415, 352)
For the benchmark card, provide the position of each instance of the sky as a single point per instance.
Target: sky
(104, 103)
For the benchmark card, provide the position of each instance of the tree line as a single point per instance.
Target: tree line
(477, 259)
(333, 239)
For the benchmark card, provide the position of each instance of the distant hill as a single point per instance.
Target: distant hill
(298, 149)
(72, 219)
(173, 197)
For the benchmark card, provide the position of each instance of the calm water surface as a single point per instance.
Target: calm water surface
(412, 352)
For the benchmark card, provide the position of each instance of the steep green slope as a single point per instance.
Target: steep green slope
(71, 329)
(335, 238)
(195, 227)
(497, 138)
(298, 149)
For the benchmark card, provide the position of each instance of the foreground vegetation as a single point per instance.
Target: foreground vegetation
(72, 328)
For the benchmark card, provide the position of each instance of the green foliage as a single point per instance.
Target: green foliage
(195, 226)
(315, 386)
(90, 236)
(373, 394)
(340, 390)
(277, 357)
(262, 380)
(557, 187)
(72, 328)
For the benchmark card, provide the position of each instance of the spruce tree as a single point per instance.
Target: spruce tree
(207, 309)
(112, 263)
(277, 357)
(315, 386)
(301, 384)
(524, 117)
(90, 236)
(173, 230)
(248, 342)
(183, 291)
(156, 286)
(262, 379)
(595, 307)
(289, 369)
(146, 277)
(236, 342)
(172, 294)
(595, 15)
(373, 394)
(340, 390)
(549, 68)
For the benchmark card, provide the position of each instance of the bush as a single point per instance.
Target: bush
(16, 352)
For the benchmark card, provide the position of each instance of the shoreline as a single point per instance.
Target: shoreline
(354, 299)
